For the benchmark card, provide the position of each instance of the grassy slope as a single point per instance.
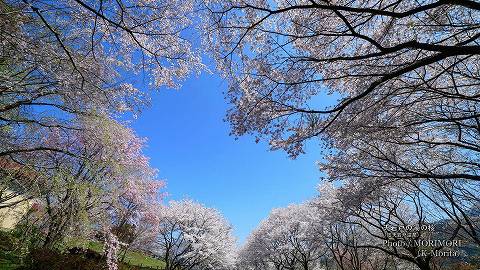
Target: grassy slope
(132, 257)
(9, 259)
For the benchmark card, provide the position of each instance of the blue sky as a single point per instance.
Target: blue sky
(189, 143)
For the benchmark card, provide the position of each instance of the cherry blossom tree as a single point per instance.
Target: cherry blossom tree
(111, 249)
(192, 236)
(64, 59)
(405, 77)
(135, 217)
(114, 183)
(383, 59)
(290, 238)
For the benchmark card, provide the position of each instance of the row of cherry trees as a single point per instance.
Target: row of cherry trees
(62, 93)
(64, 68)
(402, 138)
(327, 233)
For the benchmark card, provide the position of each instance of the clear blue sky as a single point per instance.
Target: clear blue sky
(189, 143)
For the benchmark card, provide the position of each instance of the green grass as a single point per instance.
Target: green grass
(133, 258)
(8, 265)
(138, 259)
